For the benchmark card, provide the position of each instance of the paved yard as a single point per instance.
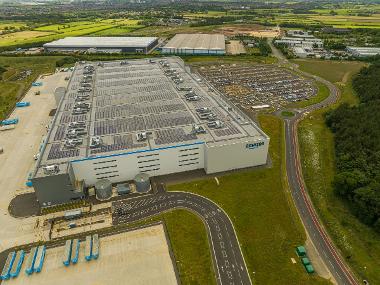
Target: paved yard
(20, 144)
(139, 257)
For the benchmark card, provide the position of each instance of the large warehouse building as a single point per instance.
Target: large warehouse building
(196, 44)
(120, 119)
(363, 51)
(103, 44)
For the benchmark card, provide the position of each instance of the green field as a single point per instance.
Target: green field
(287, 114)
(10, 88)
(333, 71)
(109, 27)
(264, 217)
(359, 244)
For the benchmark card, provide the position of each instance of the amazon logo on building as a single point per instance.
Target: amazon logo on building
(254, 145)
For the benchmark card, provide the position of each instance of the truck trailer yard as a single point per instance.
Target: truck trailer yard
(19, 146)
(136, 257)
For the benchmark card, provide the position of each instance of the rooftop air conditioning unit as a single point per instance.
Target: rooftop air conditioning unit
(79, 124)
(95, 142)
(141, 136)
(215, 124)
(203, 110)
(51, 169)
(198, 129)
(71, 143)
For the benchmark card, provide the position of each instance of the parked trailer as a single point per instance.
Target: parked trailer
(9, 122)
(5, 274)
(95, 246)
(39, 262)
(67, 253)
(88, 248)
(16, 268)
(22, 104)
(30, 261)
(75, 251)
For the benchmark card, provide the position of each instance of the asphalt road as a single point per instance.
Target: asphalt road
(313, 226)
(228, 259)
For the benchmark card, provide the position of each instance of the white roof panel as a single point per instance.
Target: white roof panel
(101, 42)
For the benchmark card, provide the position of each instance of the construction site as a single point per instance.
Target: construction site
(258, 87)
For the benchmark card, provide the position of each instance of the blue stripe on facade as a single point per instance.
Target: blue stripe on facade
(133, 152)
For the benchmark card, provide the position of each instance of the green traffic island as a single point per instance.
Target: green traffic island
(287, 114)
(301, 252)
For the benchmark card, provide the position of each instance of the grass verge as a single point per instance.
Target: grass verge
(287, 114)
(266, 222)
(359, 244)
(323, 93)
(189, 242)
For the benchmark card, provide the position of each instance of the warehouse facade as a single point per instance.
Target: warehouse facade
(202, 44)
(103, 44)
(120, 119)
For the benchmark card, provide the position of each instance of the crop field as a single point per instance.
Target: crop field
(209, 14)
(109, 27)
(15, 38)
(5, 24)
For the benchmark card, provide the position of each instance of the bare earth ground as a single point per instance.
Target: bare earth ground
(235, 47)
(20, 144)
(135, 258)
(250, 30)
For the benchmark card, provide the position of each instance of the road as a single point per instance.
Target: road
(229, 264)
(325, 247)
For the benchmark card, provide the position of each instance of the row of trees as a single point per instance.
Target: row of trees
(357, 144)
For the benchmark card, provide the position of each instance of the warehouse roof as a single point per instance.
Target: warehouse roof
(99, 42)
(365, 51)
(138, 105)
(197, 41)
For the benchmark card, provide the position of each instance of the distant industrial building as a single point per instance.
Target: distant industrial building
(196, 44)
(130, 120)
(363, 51)
(103, 44)
(300, 42)
(299, 34)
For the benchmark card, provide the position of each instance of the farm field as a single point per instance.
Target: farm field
(263, 215)
(20, 37)
(209, 14)
(359, 244)
(5, 24)
(42, 34)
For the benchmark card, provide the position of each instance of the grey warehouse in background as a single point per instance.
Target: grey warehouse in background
(207, 44)
(363, 51)
(103, 44)
(134, 119)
